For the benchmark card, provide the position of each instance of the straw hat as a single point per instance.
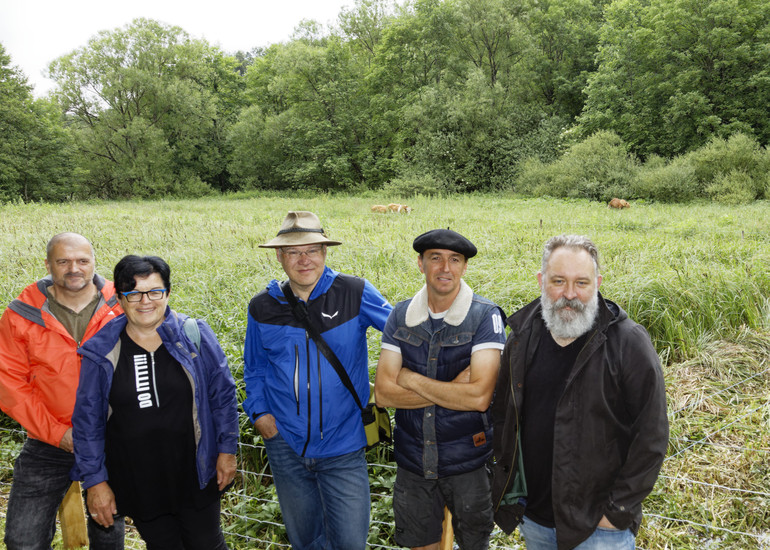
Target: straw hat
(298, 229)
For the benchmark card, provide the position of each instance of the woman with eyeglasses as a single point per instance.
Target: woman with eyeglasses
(155, 425)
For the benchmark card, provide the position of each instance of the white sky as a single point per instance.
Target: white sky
(35, 32)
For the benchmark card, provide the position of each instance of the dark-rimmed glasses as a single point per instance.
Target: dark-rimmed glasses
(138, 295)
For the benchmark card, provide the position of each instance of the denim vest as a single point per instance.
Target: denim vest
(434, 441)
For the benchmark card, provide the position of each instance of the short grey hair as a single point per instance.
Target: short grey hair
(575, 242)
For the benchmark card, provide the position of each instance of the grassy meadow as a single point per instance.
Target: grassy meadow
(696, 275)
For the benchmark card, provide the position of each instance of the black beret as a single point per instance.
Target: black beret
(444, 239)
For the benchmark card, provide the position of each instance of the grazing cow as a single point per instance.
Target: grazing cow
(379, 208)
(393, 207)
(619, 203)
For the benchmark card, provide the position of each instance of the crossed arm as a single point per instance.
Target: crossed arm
(397, 386)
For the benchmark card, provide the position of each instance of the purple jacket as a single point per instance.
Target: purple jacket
(215, 415)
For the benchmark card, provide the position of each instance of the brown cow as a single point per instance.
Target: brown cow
(619, 203)
(393, 207)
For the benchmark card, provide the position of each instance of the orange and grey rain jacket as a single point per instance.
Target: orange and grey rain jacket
(39, 364)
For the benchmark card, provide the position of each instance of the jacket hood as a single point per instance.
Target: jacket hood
(608, 314)
(323, 284)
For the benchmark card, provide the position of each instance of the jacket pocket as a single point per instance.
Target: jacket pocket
(459, 339)
(407, 336)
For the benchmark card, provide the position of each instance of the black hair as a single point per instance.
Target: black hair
(132, 266)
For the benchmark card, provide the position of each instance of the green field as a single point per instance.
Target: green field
(696, 275)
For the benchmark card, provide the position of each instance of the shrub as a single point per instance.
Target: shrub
(598, 168)
(735, 187)
(673, 182)
(739, 153)
(410, 185)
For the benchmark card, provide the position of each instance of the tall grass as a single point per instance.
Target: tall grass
(696, 276)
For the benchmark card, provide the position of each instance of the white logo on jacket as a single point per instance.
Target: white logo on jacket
(142, 377)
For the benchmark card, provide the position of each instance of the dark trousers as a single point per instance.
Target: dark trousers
(40, 481)
(188, 529)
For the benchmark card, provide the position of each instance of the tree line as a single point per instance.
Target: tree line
(585, 98)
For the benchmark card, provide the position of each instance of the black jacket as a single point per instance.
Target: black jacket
(611, 431)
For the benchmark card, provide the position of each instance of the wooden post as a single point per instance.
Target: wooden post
(448, 534)
(72, 517)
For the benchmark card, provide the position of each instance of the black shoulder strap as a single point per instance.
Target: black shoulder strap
(300, 314)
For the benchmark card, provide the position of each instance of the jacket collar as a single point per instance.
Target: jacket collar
(418, 311)
(109, 335)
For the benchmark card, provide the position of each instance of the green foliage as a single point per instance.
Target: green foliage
(666, 182)
(598, 168)
(738, 160)
(412, 185)
(149, 109)
(36, 156)
(318, 130)
(251, 154)
(488, 36)
(472, 136)
(674, 73)
(454, 95)
(733, 170)
(735, 187)
(564, 36)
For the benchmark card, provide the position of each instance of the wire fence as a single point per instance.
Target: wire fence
(251, 518)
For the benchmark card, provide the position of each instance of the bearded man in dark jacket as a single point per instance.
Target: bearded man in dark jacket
(580, 425)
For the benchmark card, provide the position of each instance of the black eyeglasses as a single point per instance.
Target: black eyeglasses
(138, 295)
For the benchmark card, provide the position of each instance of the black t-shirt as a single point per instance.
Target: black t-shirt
(150, 442)
(544, 384)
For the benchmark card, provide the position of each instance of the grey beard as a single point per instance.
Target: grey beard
(569, 324)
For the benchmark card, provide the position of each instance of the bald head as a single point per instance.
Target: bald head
(73, 240)
(71, 264)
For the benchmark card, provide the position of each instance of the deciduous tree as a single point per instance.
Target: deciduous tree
(674, 73)
(35, 151)
(150, 107)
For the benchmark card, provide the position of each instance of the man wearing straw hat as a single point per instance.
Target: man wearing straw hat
(40, 333)
(438, 367)
(309, 421)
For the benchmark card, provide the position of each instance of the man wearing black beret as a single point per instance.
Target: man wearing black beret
(438, 367)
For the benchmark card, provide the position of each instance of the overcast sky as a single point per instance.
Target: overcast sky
(35, 32)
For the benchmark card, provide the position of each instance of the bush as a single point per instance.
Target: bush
(410, 185)
(740, 153)
(598, 168)
(735, 187)
(673, 182)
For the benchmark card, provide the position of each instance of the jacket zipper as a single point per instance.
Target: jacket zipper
(320, 394)
(579, 366)
(296, 377)
(307, 356)
(154, 384)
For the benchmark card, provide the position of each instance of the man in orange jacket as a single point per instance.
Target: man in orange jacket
(40, 333)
